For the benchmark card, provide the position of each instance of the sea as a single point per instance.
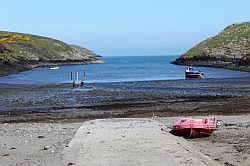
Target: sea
(117, 69)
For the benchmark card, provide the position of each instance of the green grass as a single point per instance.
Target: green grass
(37, 48)
(231, 35)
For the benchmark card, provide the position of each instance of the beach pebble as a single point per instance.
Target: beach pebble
(45, 148)
(227, 163)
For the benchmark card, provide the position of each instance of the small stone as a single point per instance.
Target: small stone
(13, 148)
(88, 132)
(45, 148)
(226, 163)
(6, 155)
(40, 136)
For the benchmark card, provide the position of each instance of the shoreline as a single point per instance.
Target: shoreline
(31, 65)
(211, 64)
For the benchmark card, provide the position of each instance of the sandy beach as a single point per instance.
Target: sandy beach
(38, 121)
(43, 143)
(34, 143)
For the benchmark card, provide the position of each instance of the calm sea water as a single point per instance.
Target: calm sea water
(117, 69)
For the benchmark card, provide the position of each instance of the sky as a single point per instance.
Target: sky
(124, 27)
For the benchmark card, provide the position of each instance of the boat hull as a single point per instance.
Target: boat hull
(53, 68)
(193, 132)
(191, 73)
(191, 128)
(193, 76)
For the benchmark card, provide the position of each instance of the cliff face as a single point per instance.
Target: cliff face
(19, 52)
(229, 49)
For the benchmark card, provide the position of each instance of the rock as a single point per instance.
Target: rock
(40, 136)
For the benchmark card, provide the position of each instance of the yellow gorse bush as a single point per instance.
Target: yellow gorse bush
(10, 38)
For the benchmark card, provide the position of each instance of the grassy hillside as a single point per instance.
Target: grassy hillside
(232, 36)
(23, 51)
(31, 47)
(231, 45)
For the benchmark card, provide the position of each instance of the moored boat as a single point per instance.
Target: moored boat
(54, 68)
(191, 128)
(191, 73)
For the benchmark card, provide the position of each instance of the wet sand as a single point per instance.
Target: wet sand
(27, 110)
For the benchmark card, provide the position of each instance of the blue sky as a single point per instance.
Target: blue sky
(124, 27)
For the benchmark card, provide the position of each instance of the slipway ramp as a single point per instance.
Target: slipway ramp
(145, 142)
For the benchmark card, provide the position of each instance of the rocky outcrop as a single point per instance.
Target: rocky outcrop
(20, 52)
(229, 49)
(84, 54)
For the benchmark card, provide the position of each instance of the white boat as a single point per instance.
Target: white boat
(191, 73)
(53, 68)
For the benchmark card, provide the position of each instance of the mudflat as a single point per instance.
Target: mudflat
(61, 102)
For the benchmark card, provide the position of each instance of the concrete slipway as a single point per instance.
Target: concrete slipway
(145, 142)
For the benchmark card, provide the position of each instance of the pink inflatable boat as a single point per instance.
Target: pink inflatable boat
(191, 128)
